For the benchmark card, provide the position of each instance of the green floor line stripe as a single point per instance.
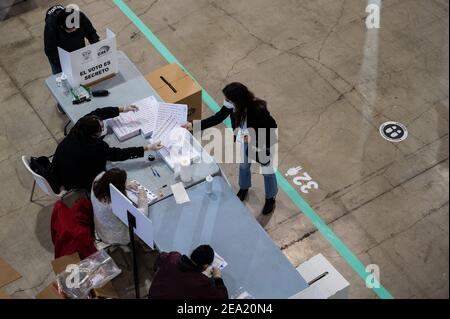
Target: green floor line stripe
(304, 207)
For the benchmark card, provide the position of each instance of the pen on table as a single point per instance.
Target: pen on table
(155, 172)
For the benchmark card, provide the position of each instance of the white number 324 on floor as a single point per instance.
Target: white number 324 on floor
(304, 181)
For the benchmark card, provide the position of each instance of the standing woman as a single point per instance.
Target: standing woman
(249, 114)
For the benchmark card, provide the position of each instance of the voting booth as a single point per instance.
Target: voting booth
(137, 224)
(92, 63)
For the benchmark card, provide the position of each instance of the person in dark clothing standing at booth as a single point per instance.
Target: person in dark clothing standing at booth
(59, 32)
(83, 154)
(181, 277)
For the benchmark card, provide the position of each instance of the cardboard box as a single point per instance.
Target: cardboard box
(59, 265)
(7, 273)
(49, 293)
(175, 86)
(4, 295)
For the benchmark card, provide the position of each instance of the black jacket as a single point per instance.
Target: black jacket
(55, 36)
(178, 278)
(79, 159)
(258, 117)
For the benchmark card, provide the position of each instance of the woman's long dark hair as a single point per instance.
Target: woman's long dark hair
(114, 176)
(243, 99)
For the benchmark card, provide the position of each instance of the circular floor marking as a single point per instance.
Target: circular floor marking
(394, 132)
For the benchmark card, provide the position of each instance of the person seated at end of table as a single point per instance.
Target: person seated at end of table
(109, 228)
(181, 277)
(83, 154)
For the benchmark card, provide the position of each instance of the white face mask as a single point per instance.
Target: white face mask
(104, 131)
(229, 104)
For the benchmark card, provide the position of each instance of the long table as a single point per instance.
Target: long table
(125, 88)
(255, 264)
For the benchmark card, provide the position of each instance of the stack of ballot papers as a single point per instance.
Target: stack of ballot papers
(152, 119)
(170, 117)
(131, 124)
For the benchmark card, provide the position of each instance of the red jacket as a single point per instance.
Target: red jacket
(178, 278)
(73, 229)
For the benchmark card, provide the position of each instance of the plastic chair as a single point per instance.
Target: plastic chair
(42, 183)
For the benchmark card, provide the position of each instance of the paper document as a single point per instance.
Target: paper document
(133, 195)
(218, 262)
(180, 194)
(170, 116)
(183, 146)
(131, 124)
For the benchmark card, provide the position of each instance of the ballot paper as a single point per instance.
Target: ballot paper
(143, 121)
(133, 195)
(153, 119)
(218, 262)
(170, 116)
(182, 145)
(180, 194)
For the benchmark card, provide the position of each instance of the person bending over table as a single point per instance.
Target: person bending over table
(109, 228)
(248, 112)
(83, 154)
(180, 277)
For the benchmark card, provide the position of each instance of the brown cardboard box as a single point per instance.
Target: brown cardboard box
(59, 265)
(4, 295)
(49, 293)
(175, 86)
(7, 273)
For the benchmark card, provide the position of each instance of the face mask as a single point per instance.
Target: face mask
(71, 34)
(228, 104)
(103, 133)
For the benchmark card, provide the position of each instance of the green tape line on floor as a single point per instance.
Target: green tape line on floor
(304, 207)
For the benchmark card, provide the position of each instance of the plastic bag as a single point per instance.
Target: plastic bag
(93, 272)
(242, 294)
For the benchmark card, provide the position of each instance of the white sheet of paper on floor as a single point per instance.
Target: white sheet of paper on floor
(180, 194)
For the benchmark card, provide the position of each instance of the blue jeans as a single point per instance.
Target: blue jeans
(245, 177)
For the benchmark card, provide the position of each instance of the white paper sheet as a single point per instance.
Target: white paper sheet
(180, 194)
(133, 196)
(218, 262)
(170, 116)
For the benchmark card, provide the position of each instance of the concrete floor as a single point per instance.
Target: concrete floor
(309, 60)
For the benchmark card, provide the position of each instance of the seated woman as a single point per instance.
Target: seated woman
(109, 228)
(83, 154)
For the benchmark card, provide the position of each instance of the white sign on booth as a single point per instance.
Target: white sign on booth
(121, 205)
(91, 63)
